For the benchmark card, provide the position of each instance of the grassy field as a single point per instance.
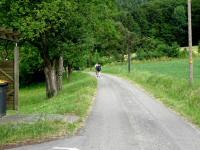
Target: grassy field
(167, 81)
(76, 98)
(177, 68)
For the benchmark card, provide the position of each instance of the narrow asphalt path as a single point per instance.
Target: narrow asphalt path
(124, 117)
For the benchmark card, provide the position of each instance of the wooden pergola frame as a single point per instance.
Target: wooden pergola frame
(10, 35)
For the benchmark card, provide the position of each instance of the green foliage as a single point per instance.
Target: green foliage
(149, 48)
(6, 50)
(184, 53)
(165, 20)
(173, 50)
(106, 60)
(179, 15)
(42, 23)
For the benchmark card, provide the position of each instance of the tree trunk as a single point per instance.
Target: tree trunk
(69, 71)
(59, 73)
(49, 69)
(51, 84)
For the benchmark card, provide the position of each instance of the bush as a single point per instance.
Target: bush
(184, 53)
(199, 47)
(173, 50)
(146, 49)
(149, 48)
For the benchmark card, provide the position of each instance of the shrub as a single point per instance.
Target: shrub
(149, 48)
(173, 50)
(184, 53)
(199, 47)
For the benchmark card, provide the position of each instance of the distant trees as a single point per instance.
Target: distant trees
(162, 23)
(165, 20)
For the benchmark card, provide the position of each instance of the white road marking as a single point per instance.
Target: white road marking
(64, 148)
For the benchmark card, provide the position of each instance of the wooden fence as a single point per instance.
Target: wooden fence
(10, 70)
(7, 73)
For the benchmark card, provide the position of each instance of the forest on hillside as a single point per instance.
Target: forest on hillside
(82, 32)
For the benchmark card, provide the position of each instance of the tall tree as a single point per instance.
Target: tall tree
(42, 23)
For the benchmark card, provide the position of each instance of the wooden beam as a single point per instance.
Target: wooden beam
(7, 75)
(10, 92)
(9, 34)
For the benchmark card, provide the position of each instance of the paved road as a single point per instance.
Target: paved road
(126, 118)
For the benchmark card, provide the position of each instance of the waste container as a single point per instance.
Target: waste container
(3, 95)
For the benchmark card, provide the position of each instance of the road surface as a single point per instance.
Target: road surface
(124, 117)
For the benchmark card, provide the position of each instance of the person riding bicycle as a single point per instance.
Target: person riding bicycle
(98, 69)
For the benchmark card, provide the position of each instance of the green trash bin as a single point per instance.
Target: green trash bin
(3, 96)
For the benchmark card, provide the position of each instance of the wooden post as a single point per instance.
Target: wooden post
(129, 44)
(129, 59)
(16, 76)
(191, 76)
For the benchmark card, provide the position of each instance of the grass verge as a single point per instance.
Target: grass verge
(167, 82)
(76, 98)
